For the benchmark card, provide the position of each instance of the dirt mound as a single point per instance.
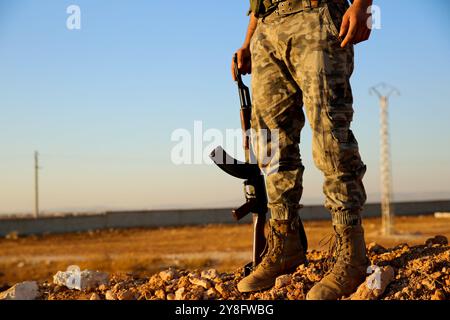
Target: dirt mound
(420, 272)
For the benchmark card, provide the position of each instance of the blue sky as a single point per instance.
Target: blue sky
(100, 103)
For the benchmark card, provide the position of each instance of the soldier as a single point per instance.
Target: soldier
(300, 53)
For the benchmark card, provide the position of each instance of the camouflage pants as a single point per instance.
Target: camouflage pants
(297, 61)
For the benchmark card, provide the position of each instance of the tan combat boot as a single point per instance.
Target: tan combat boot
(284, 253)
(349, 269)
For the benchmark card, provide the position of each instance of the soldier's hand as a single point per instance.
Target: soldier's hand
(244, 62)
(355, 23)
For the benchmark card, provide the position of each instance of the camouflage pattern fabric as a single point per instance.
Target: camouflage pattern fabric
(297, 62)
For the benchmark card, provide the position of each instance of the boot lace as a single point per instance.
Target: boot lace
(334, 246)
(274, 246)
(337, 253)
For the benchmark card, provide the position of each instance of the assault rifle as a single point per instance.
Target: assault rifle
(254, 183)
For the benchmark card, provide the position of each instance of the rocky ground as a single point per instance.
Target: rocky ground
(420, 272)
(147, 251)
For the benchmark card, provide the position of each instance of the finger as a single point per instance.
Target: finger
(352, 30)
(233, 73)
(246, 67)
(344, 26)
(367, 34)
(363, 35)
(240, 59)
(359, 36)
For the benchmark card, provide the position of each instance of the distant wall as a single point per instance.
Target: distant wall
(164, 218)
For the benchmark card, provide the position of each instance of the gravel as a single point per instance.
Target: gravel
(411, 273)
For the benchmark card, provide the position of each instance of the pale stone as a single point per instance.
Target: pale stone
(126, 295)
(168, 275)
(210, 274)
(94, 296)
(200, 282)
(160, 294)
(375, 284)
(109, 295)
(84, 280)
(282, 281)
(28, 290)
(180, 294)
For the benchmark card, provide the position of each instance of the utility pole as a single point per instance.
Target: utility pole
(387, 212)
(36, 184)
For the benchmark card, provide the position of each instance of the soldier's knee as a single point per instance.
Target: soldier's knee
(336, 152)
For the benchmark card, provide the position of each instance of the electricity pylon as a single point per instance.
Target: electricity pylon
(36, 184)
(384, 91)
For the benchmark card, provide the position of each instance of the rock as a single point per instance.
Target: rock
(183, 282)
(58, 289)
(109, 295)
(103, 287)
(28, 290)
(13, 235)
(282, 281)
(200, 282)
(196, 293)
(80, 280)
(226, 289)
(194, 274)
(427, 284)
(126, 295)
(438, 295)
(376, 248)
(160, 294)
(436, 275)
(441, 240)
(95, 296)
(118, 287)
(180, 294)
(407, 290)
(170, 296)
(168, 275)
(210, 274)
(211, 293)
(375, 284)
